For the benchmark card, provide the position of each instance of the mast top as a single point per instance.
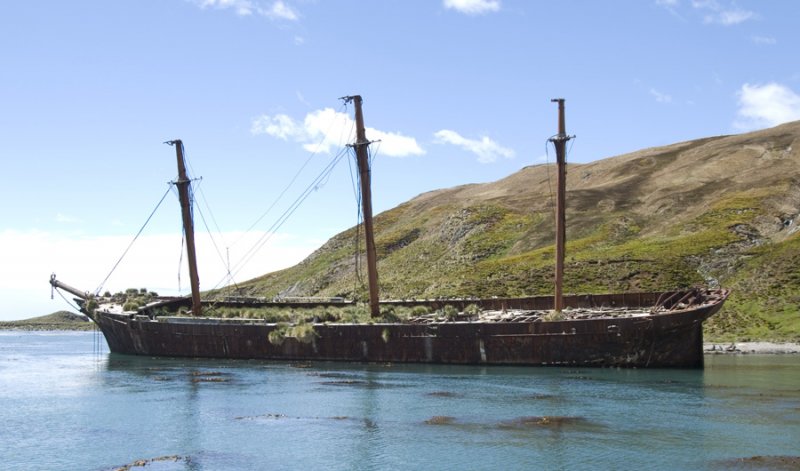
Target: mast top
(562, 135)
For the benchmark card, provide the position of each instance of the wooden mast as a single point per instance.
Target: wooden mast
(184, 184)
(362, 157)
(560, 143)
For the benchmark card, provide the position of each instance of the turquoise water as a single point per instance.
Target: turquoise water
(66, 403)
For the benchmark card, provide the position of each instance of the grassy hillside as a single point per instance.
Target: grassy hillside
(715, 211)
(61, 320)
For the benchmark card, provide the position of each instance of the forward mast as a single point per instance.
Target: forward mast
(362, 157)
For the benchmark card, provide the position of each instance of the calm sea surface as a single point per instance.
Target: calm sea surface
(66, 403)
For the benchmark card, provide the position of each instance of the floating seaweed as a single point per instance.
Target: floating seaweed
(550, 422)
(146, 462)
(440, 420)
(772, 463)
(443, 394)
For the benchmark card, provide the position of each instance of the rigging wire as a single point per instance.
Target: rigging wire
(180, 257)
(213, 241)
(69, 303)
(100, 287)
(316, 184)
(311, 155)
(313, 186)
(194, 189)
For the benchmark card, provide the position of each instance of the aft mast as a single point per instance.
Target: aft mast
(184, 184)
(362, 157)
(560, 143)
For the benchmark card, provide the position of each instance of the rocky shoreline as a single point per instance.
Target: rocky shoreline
(754, 348)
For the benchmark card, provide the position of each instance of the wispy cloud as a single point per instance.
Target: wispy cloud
(766, 40)
(762, 106)
(324, 129)
(277, 10)
(486, 149)
(727, 15)
(473, 7)
(671, 6)
(712, 11)
(660, 97)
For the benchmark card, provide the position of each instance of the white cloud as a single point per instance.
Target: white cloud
(714, 12)
(660, 97)
(726, 13)
(326, 129)
(767, 40)
(29, 257)
(486, 149)
(732, 17)
(277, 10)
(766, 105)
(473, 7)
(241, 7)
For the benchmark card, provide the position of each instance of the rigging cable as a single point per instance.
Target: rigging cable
(194, 189)
(311, 155)
(317, 183)
(97, 291)
(313, 186)
(69, 303)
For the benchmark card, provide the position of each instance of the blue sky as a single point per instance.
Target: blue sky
(457, 91)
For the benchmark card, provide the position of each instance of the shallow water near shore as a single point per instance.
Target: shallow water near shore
(66, 403)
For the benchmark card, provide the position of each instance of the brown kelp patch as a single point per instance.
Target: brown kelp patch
(345, 382)
(771, 463)
(544, 422)
(208, 377)
(441, 420)
(443, 394)
(262, 416)
(269, 417)
(149, 461)
(543, 397)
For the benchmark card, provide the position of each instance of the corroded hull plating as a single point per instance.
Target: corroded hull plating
(667, 339)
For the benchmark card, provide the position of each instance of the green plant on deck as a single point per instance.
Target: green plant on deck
(554, 316)
(90, 305)
(472, 310)
(303, 332)
(278, 334)
(357, 314)
(450, 312)
(130, 306)
(417, 311)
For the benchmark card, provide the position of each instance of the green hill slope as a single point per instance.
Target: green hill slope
(715, 211)
(60, 320)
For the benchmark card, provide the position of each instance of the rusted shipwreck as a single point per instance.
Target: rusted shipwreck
(662, 329)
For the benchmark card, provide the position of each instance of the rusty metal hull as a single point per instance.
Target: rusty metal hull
(668, 339)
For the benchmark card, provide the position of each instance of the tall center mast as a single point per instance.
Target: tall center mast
(183, 183)
(362, 157)
(560, 143)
